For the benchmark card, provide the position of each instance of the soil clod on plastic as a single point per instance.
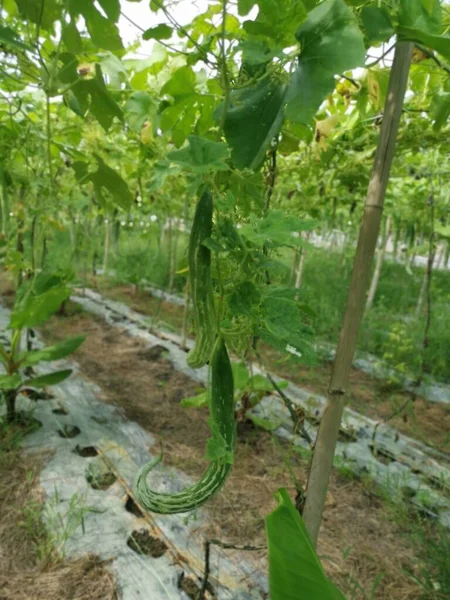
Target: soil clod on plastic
(144, 543)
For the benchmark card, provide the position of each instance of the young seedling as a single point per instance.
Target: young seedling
(35, 303)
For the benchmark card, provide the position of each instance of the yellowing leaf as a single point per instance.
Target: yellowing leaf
(324, 129)
(147, 133)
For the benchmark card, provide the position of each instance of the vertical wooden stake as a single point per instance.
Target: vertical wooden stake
(327, 436)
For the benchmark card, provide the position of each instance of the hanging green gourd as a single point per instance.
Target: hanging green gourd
(201, 284)
(220, 447)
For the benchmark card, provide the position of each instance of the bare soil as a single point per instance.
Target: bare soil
(29, 567)
(358, 540)
(422, 420)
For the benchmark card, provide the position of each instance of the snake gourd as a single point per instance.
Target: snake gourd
(223, 426)
(201, 283)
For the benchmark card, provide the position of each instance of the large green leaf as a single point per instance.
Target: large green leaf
(254, 117)
(277, 21)
(43, 13)
(421, 22)
(92, 95)
(182, 83)
(257, 52)
(295, 571)
(103, 31)
(276, 229)
(50, 379)
(115, 70)
(10, 382)
(241, 375)
(35, 309)
(245, 6)
(51, 353)
(265, 424)
(160, 32)
(415, 15)
(440, 110)
(72, 38)
(107, 178)
(9, 37)
(331, 42)
(111, 8)
(283, 328)
(138, 110)
(195, 401)
(201, 155)
(377, 23)
(244, 298)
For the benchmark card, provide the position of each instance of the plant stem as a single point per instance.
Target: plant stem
(378, 266)
(429, 275)
(225, 546)
(185, 316)
(322, 460)
(10, 398)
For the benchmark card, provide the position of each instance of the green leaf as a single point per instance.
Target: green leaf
(49, 379)
(283, 328)
(155, 5)
(440, 43)
(428, 5)
(244, 298)
(265, 424)
(254, 117)
(257, 52)
(443, 231)
(10, 382)
(34, 310)
(111, 8)
(276, 229)
(240, 375)
(44, 14)
(420, 22)
(195, 401)
(294, 569)
(213, 245)
(115, 70)
(51, 353)
(245, 6)
(72, 38)
(415, 15)
(377, 23)
(68, 73)
(138, 110)
(216, 446)
(93, 95)
(107, 178)
(10, 38)
(277, 20)
(331, 43)
(182, 83)
(440, 110)
(160, 32)
(260, 383)
(104, 33)
(201, 155)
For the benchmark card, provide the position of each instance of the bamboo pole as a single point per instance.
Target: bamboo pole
(322, 460)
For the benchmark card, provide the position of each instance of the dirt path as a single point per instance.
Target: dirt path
(358, 539)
